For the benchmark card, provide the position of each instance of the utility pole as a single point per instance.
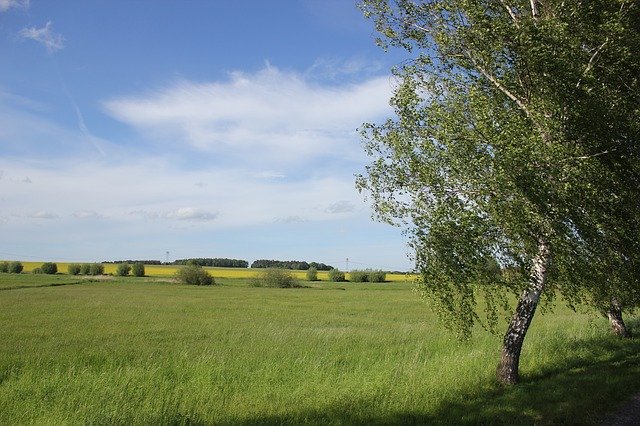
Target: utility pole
(167, 261)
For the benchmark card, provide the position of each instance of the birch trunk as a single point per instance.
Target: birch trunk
(615, 319)
(507, 371)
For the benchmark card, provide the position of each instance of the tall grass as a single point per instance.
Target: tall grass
(143, 352)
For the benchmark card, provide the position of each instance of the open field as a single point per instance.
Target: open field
(168, 270)
(143, 351)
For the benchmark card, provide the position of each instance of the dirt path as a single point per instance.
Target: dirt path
(628, 414)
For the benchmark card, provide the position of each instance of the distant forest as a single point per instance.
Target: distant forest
(298, 265)
(291, 264)
(217, 262)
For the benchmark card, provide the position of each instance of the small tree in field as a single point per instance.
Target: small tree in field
(15, 267)
(377, 276)
(194, 275)
(85, 269)
(336, 275)
(274, 277)
(96, 269)
(4, 267)
(138, 269)
(312, 274)
(49, 268)
(123, 269)
(358, 276)
(73, 269)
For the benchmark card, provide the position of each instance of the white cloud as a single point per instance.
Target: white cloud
(269, 175)
(270, 116)
(86, 214)
(340, 207)
(45, 35)
(290, 219)
(18, 4)
(42, 214)
(192, 214)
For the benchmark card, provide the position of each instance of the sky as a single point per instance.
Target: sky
(129, 129)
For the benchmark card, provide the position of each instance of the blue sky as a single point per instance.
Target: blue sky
(202, 128)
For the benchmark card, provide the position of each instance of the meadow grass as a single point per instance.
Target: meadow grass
(143, 351)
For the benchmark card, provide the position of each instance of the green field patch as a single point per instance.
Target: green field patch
(18, 281)
(135, 351)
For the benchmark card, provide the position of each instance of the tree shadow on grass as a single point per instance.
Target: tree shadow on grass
(573, 391)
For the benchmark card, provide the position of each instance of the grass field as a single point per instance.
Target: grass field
(169, 270)
(145, 351)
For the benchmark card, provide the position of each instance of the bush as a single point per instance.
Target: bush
(73, 269)
(37, 271)
(49, 268)
(123, 269)
(358, 276)
(96, 269)
(15, 267)
(312, 274)
(377, 276)
(4, 266)
(138, 269)
(85, 269)
(336, 275)
(194, 275)
(274, 277)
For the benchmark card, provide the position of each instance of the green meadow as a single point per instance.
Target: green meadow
(150, 351)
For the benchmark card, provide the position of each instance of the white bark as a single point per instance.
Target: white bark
(507, 371)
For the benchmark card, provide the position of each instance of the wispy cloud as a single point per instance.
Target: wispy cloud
(340, 207)
(192, 214)
(17, 4)
(42, 214)
(86, 214)
(280, 115)
(45, 36)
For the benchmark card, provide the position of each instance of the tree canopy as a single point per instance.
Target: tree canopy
(513, 162)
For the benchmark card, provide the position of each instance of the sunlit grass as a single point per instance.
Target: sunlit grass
(137, 351)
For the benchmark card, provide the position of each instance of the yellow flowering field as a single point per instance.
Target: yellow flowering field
(169, 270)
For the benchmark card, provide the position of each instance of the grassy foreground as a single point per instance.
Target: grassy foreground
(139, 351)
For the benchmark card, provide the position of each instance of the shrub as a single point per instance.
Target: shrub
(123, 269)
(358, 276)
(274, 277)
(4, 266)
(37, 271)
(49, 268)
(15, 267)
(194, 275)
(312, 274)
(96, 269)
(336, 275)
(138, 269)
(73, 269)
(85, 269)
(377, 276)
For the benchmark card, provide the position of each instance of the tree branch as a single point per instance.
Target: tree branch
(499, 85)
(513, 15)
(534, 9)
(592, 61)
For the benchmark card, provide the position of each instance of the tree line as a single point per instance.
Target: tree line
(296, 265)
(215, 262)
(131, 262)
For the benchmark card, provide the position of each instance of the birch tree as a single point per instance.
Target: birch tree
(513, 160)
